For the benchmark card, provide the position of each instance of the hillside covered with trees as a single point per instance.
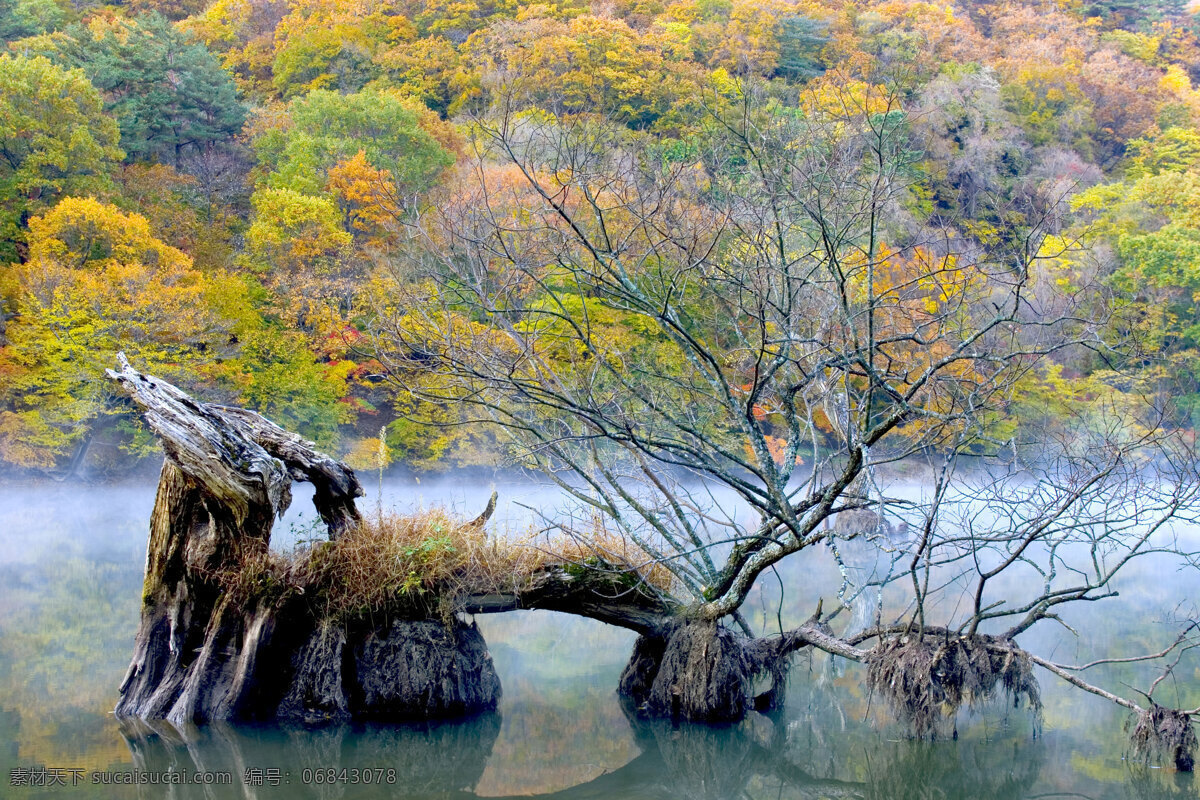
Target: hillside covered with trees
(242, 195)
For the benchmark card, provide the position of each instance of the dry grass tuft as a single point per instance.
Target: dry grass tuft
(408, 563)
(1164, 732)
(418, 566)
(259, 577)
(926, 679)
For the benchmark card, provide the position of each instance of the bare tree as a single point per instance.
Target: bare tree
(755, 311)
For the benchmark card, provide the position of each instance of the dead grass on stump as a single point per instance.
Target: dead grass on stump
(926, 679)
(419, 565)
(1160, 732)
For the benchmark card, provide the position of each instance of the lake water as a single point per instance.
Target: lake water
(71, 561)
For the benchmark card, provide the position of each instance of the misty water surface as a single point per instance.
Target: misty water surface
(71, 562)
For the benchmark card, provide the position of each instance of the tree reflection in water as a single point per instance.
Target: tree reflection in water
(443, 759)
(761, 758)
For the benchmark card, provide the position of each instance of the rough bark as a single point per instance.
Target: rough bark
(596, 595)
(316, 692)
(700, 670)
(335, 484)
(199, 657)
(423, 669)
(696, 670)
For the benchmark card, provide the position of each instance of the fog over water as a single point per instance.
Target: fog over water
(71, 561)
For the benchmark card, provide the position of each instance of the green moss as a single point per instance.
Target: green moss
(603, 575)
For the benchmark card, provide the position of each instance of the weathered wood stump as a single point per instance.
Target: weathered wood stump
(202, 654)
(699, 670)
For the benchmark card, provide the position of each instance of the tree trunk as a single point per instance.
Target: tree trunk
(695, 670)
(199, 657)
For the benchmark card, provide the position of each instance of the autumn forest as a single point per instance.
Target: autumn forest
(244, 195)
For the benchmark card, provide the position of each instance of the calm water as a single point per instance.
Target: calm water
(70, 575)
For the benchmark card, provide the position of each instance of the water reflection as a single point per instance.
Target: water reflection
(714, 763)
(1144, 784)
(758, 759)
(448, 760)
(921, 770)
(442, 759)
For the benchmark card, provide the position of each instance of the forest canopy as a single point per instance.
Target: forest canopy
(238, 194)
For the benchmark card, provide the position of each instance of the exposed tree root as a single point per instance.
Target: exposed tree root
(695, 670)
(699, 670)
(1160, 732)
(316, 692)
(639, 674)
(926, 679)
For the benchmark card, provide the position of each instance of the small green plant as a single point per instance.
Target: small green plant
(412, 584)
(431, 547)
(308, 530)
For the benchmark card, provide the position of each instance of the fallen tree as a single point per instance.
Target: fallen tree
(368, 624)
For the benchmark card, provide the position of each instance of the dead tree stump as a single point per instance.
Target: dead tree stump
(695, 670)
(201, 655)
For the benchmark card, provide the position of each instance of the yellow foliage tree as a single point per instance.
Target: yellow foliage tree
(294, 233)
(365, 195)
(97, 281)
